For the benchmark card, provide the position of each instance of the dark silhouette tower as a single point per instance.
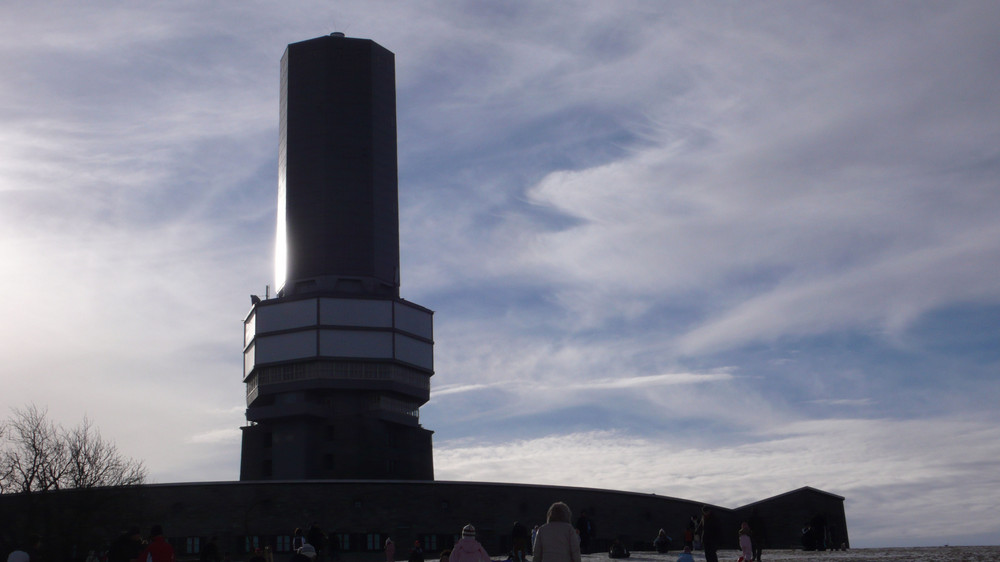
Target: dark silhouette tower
(337, 365)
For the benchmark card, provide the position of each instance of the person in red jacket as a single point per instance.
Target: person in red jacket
(158, 549)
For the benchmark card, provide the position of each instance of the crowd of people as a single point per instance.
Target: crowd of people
(558, 540)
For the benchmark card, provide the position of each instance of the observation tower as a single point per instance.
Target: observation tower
(337, 365)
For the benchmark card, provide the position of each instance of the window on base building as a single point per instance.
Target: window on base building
(251, 543)
(283, 543)
(343, 541)
(192, 545)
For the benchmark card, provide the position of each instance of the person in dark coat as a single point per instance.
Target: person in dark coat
(519, 537)
(317, 539)
(711, 534)
(758, 533)
(586, 528)
(417, 554)
(211, 551)
(662, 542)
(126, 547)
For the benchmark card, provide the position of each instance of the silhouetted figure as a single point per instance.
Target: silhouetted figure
(126, 547)
(586, 528)
(210, 553)
(758, 532)
(557, 540)
(662, 542)
(689, 535)
(519, 538)
(317, 539)
(298, 539)
(416, 553)
(711, 534)
(819, 531)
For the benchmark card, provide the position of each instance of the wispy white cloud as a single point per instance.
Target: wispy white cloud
(908, 461)
(457, 389)
(668, 379)
(843, 401)
(225, 435)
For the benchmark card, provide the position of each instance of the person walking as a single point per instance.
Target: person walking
(758, 533)
(557, 540)
(711, 534)
(519, 537)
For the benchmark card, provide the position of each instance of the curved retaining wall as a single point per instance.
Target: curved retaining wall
(362, 513)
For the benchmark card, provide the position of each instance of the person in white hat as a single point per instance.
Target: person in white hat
(468, 549)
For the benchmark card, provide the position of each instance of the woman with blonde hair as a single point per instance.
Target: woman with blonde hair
(557, 540)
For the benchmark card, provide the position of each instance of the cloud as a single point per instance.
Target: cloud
(668, 379)
(889, 295)
(226, 435)
(457, 389)
(944, 466)
(843, 402)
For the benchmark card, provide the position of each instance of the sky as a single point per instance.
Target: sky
(708, 250)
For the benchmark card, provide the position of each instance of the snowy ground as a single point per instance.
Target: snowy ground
(927, 554)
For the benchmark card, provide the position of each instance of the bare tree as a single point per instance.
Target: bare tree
(96, 462)
(5, 470)
(34, 454)
(37, 455)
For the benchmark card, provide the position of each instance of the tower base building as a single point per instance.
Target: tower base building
(334, 389)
